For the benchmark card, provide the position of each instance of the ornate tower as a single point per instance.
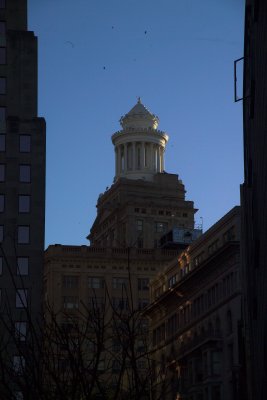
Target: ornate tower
(144, 201)
(139, 146)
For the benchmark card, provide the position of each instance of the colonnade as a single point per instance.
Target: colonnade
(137, 156)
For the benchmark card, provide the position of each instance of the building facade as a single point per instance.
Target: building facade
(144, 202)
(254, 198)
(109, 280)
(22, 173)
(195, 316)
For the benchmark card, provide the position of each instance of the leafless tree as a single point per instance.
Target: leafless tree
(97, 351)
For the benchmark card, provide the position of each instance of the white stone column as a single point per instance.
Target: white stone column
(125, 157)
(162, 159)
(142, 155)
(151, 158)
(134, 156)
(119, 159)
(158, 159)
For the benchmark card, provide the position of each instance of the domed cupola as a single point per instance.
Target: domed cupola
(139, 146)
(139, 117)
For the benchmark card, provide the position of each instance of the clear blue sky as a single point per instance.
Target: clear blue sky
(96, 57)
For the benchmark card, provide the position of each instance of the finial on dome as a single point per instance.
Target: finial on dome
(139, 100)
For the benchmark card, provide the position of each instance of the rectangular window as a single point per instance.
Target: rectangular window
(21, 298)
(140, 243)
(2, 3)
(24, 203)
(2, 28)
(70, 302)
(70, 281)
(119, 283)
(142, 303)
(216, 362)
(20, 330)
(96, 303)
(2, 113)
(1, 233)
(2, 84)
(2, 55)
(22, 265)
(1, 265)
(143, 283)
(2, 142)
(25, 173)
(120, 304)
(172, 280)
(23, 234)
(139, 225)
(2, 202)
(161, 227)
(18, 364)
(25, 143)
(95, 282)
(2, 172)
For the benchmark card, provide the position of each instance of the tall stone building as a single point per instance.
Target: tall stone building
(254, 197)
(144, 201)
(195, 318)
(112, 275)
(22, 172)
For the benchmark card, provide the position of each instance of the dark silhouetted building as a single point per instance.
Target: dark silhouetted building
(22, 172)
(254, 198)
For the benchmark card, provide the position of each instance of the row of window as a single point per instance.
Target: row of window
(22, 265)
(98, 303)
(23, 234)
(198, 306)
(24, 142)
(21, 298)
(24, 173)
(95, 282)
(168, 213)
(158, 226)
(24, 203)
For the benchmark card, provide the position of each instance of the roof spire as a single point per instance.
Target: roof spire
(139, 100)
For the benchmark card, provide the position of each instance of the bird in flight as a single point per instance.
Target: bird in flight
(69, 42)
